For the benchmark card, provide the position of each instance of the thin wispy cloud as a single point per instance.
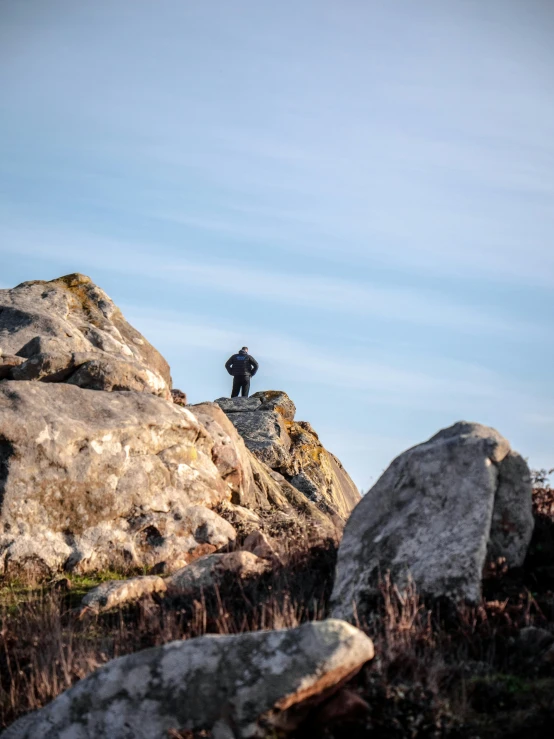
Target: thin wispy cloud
(317, 292)
(442, 383)
(366, 193)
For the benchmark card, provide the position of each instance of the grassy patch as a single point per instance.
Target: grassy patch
(440, 670)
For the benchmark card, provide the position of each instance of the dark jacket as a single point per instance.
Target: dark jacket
(241, 365)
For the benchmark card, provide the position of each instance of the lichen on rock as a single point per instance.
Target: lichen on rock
(435, 515)
(266, 423)
(243, 686)
(69, 330)
(87, 477)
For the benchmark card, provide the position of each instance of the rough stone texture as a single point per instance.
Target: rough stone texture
(253, 483)
(278, 401)
(266, 423)
(229, 455)
(261, 545)
(318, 473)
(239, 686)
(242, 514)
(239, 405)
(118, 592)
(290, 502)
(69, 330)
(437, 512)
(87, 477)
(265, 434)
(207, 572)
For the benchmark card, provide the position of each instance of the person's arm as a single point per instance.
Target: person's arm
(253, 365)
(229, 364)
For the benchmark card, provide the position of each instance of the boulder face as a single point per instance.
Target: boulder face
(254, 485)
(90, 480)
(243, 686)
(292, 448)
(87, 477)
(98, 470)
(69, 330)
(230, 455)
(438, 513)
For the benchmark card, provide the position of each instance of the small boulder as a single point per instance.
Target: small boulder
(116, 593)
(9, 363)
(107, 373)
(278, 401)
(179, 397)
(68, 329)
(208, 572)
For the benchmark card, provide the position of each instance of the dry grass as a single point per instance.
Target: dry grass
(45, 648)
(439, 671)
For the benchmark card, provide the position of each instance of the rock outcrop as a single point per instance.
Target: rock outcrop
(69, 330)
(253, 484)
(438, 513)
(230, 455)
(96, 471)
(233, 686)
(87, 476)
(90, 480)
(292, 448)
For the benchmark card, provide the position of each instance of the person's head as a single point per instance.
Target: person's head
(244, 349)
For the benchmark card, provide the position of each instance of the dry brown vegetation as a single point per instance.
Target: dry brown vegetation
(439, 671)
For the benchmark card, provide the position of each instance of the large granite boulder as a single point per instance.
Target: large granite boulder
(208, 573)
(69, 330)
(438, 514)
(240, 686)
(266, 423)
(89, 477)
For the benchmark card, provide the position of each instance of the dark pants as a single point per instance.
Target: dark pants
(241, 384)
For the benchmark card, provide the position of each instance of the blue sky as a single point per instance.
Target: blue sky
(362, 192)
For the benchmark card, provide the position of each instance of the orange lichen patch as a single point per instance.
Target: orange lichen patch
(309, 451)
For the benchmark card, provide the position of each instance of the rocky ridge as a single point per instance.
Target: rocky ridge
(104, 465)
(122, 475)
(292, 448)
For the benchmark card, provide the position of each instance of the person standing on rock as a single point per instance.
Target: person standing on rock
(242, 367)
